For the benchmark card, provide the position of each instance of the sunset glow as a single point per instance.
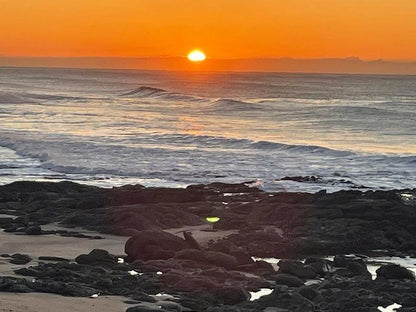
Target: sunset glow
(229, 30)
(196, 56)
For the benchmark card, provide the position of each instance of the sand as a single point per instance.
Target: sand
(40, 302)
(70, 247)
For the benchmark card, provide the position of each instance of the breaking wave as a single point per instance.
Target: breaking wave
(151, 92)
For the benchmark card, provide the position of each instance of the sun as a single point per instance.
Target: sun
(196, 56)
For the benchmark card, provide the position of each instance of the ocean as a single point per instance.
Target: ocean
(115, 127)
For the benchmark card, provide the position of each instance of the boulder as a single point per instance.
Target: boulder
(6, 220)
(231, 295)
(296, 268)
(220, 259)
(394, 271)
(153, 245)
(309, 292)
(33, 230)
(20, 259)
(97, 257)
(195, 283)
(191, 254)
(288, 280)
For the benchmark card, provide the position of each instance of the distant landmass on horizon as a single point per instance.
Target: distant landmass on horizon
(323, 65)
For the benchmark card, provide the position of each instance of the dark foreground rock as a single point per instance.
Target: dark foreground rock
(220, 276)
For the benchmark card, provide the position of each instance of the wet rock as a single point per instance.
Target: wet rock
(321, 266)
(220, 259)
(231, 295)
(394, 271)
(146, 308)
(153, 245)
(193, 283)
(15, 285)
(191, 254)
(20, 259)
(288, 280)
(309, 292)
(56, 259)
(296, 268)
(97, 257)
(4, 221)
(33, 230)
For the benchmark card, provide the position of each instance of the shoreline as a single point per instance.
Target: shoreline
(68, 220)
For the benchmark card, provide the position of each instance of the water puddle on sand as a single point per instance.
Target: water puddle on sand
(260, 293)
(390, 308)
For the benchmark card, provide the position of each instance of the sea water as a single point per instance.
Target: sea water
(156, 128)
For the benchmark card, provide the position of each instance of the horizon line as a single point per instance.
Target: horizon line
(355, 58)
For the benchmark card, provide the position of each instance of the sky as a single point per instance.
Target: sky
(223, 29)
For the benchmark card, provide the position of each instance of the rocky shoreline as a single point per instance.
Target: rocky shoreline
(164, 256)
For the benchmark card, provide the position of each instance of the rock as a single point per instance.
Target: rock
(394, 271)
(97, 257)
(231, 295)
(220, 259)
(242, 257)
(296, 268)
(288, 280)
(33, 230)
(190, 240)
(4, 221)
(55, 259)
(308, 292)
(195, 283)
(15, 285)
(153, 245)
(321, 266)
(145, 308)
(20, 259)
(342, 260)
(170, 306)
(191, 254)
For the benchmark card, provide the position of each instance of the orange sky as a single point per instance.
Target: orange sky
(369, 29)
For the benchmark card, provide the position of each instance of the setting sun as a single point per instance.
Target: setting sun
(196, 56)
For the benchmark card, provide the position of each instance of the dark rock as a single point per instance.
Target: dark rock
(220, 259)
(394, 271)
(193, 283)
(309, 292)
(231, 295)
(56, 259)
(20, 259)
(321, 266)
(152, 245)
(296, 268)
(145, 308)
(97, 257)
(4, 221)
(12, 284)
(191, 254)
(288, 280)
(33, 230)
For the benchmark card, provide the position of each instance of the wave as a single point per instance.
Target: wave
(145, 92)
(234, 105)
(53, 97)
(151, 92)
(10, 98)
(2, 166)
(310, 149)
(364, 111)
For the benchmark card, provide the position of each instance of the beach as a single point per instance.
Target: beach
(152, 249)
(132, 190)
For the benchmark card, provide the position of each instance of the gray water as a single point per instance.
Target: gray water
(113, 127)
